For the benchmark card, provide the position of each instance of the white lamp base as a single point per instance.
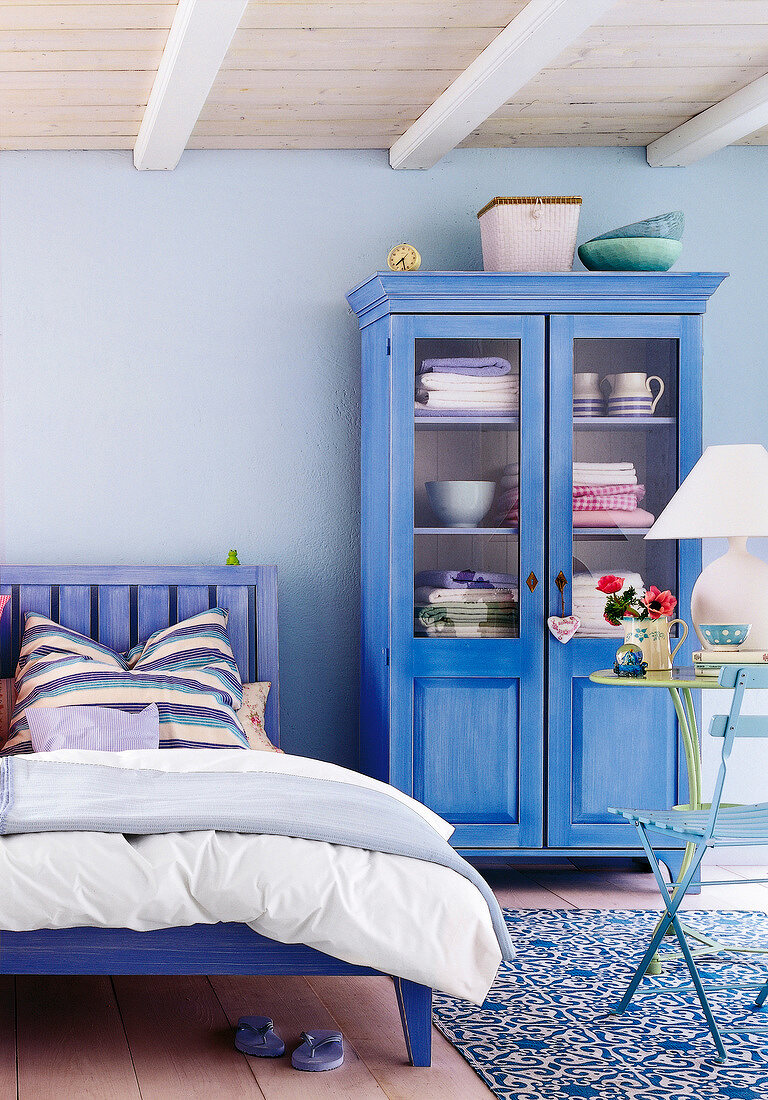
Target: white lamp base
(733, 589)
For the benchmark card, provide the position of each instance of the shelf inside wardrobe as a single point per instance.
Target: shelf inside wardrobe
(506, 423)
(609, 422)
(465, 531)
(608, 532)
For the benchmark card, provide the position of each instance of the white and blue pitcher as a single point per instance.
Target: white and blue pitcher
(652, 635)
(631, 394)
(587, 397)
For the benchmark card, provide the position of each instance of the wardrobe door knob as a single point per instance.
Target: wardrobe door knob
(532, 581)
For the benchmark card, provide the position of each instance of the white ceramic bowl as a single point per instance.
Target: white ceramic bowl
(460, 503)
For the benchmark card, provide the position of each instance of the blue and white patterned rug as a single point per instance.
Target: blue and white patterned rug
(544, 1032)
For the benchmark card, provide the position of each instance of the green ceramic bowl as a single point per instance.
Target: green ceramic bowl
(630, 254)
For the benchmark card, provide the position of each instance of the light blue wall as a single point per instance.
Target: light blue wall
(180, 374)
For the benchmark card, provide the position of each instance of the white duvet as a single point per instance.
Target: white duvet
(402, 916)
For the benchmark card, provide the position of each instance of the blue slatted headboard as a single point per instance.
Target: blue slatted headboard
(120, 605)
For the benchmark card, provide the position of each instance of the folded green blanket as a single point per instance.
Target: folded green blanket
(450, 614)
(474, 630)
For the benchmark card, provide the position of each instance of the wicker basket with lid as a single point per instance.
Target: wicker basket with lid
(529, 232)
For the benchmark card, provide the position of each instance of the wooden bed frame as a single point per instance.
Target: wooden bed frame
(119, 606)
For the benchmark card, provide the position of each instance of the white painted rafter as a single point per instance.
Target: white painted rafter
(542, 30)
(726, 122)
(198, 40)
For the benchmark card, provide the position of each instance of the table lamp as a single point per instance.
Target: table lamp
(725, 495)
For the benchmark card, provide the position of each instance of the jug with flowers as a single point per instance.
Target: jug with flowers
(644, 617)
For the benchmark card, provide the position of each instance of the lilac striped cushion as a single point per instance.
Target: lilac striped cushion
(100, 728)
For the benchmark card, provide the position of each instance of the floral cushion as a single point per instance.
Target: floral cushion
(7, 701)
(251, 716)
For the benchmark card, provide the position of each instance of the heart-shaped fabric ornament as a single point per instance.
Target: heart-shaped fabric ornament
(563, 627)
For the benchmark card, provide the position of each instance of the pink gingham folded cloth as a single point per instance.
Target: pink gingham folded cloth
(613, 517)
(618, 498)
(607, 490)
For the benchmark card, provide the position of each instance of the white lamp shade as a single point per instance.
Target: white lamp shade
(725, 494)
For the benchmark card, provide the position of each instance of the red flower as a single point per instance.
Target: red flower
(610, 584)
(659, 603)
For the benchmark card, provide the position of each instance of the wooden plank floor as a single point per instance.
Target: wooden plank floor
(171, 1038)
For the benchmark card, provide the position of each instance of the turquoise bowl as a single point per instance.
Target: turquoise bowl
(630, 254)
(730, 635)
(663, 225)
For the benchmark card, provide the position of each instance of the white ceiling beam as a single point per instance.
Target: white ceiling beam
(199, 38)
(736, 117)
(542, 30)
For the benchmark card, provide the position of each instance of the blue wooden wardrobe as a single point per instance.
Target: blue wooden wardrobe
(502, 733)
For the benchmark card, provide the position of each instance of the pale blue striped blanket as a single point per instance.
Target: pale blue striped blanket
(43, 796)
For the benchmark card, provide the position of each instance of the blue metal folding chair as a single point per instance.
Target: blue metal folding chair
(715, 826)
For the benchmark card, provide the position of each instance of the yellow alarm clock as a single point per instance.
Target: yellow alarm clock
(404, 257)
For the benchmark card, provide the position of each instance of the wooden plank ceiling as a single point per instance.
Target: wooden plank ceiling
(316, 74)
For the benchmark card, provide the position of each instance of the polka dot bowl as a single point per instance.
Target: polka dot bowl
(725, 635)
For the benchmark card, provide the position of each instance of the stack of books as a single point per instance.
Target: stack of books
(708, 662)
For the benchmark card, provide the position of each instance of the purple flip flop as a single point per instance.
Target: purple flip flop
(319, 1050)
(256, 1036)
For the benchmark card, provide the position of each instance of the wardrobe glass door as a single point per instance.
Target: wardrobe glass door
(624, 429)
(467, 419)
(624, 448)
(466, 488)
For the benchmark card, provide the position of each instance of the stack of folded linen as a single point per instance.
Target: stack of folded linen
(509, 498)
(466, 604)
(606, 494)
(471, 386)
(588, 604)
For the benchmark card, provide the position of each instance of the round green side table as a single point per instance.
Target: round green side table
(679, 682)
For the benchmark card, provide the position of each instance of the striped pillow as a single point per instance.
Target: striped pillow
(188, 670)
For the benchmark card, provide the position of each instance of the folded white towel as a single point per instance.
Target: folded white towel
(603, 466)
(625, 478)
(599, 624)
(485, 596)
(467, 401)
(580, 472)
(598, 632)
(589, 581)
(455, 383)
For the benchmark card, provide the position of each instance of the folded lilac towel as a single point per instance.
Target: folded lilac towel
(102, 729)
(464, 578)
(478, 366)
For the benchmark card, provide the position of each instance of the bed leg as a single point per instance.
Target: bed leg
(415, 1004)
